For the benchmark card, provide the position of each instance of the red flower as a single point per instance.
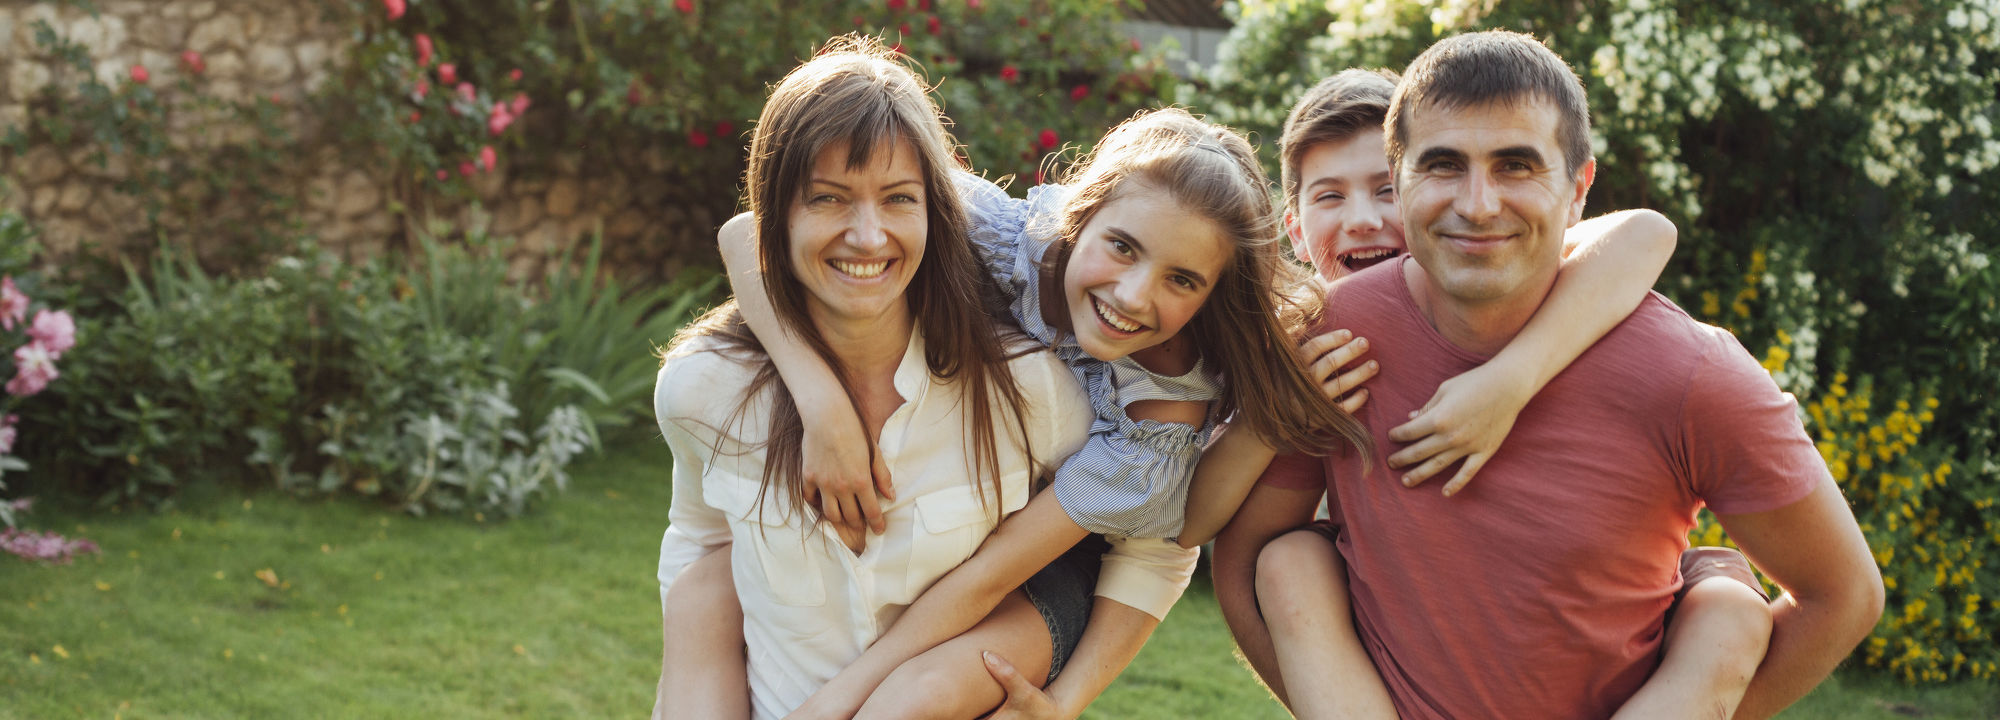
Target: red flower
(1021, 21)
(139, 74)
(395, 8)
(724, 128)
(424, 50)
(442, 175)
(498, 120)
(1079, 92)
(1040, 177)
(514, 75)
(487, 158)
(1048, 139)
(422, 89)
(1008, 73)
(466, 92)
(633, 94)
(903, 28)
(974, 4)
(448, 73)
(898, 4)
(415, 116)
(685, 6)
(924, 5)
(519, 104)
(1135, 44)
(697, 138)
(465, 168)
(860, 21)
(932, 25)
(898, 47)
(193, 62)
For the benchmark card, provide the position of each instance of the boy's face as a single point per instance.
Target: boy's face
(1346, 218)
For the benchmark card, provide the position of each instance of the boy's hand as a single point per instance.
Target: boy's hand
(1466, 419)
(1325, 356)
(841, 474)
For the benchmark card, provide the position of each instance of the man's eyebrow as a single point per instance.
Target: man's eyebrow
(1430, 155)
(1126, 237)
(1521, 152)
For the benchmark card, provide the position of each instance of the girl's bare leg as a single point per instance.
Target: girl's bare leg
(950, 682)
(1302, 591)
(703, 671)
(1714, 643)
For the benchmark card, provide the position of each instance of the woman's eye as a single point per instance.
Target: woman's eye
(903, 198)
(821, 198)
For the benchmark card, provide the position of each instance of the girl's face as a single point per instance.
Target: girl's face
(1140, 270)
(857, 234)
(1347, 218)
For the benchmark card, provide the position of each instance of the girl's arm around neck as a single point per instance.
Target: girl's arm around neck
(838, 460)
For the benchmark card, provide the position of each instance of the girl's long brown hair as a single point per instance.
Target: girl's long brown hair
(1252, 324)
(860, 93)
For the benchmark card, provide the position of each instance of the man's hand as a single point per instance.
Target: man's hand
(1024, 700)
(1330, 361)
(841, 475)
(1466, 419)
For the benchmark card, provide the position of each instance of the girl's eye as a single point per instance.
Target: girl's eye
(1183, 281)
(1120, 247)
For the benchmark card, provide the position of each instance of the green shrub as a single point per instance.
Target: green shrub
(1827, 164)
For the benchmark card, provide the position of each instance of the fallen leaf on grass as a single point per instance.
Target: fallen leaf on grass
(268, 576)
(103, 586)
(60, 652)
(518, 650)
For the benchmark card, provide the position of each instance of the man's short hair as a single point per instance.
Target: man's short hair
(1351, 101)
(1492, 66)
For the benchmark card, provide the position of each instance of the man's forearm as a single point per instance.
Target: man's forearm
(1809, 638)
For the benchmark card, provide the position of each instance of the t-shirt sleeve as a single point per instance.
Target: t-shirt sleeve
(1746, 448)
(1147, 574)
(1295, 471)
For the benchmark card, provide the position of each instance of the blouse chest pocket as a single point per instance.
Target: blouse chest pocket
(789, 553)
(949, 527)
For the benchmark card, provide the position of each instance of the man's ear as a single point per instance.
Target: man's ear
(1584, 177)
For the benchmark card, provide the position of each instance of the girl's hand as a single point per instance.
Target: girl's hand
(1466, 419)
(1024, 700)
(1325, 357)
(841, 473)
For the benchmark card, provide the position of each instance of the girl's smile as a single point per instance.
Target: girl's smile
(1142, 267)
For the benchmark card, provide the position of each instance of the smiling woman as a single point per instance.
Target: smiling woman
(858, 238)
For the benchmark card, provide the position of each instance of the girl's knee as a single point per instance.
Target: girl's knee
(1300, 556)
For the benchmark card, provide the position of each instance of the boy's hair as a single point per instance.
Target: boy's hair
(1493, 66)
(858, 92)
(1213, 171)
(1350, 102)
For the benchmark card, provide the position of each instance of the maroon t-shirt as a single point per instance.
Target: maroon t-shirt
(1540, 589)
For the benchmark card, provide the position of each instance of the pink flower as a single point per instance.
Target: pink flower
(442, 175)
(933, 25)
(974, 4)
(519, 104)
(424, 50)
(193, 62)
(697, 138)
(1135, 44)
(34, 369)
(447, 73)
(423, 88)
(1048, 139)
(48, 547)
(55, 331)
(416, 117)
(1008, 73)
(685, 6)
(634, 94)
(13, 303)
(724, 128)
(487, 158)
(1079, 92)
(514, 75)
(395, 8)
(498, 121)
(139, 74)
(7, 434)
(465, 169)
(466, 92)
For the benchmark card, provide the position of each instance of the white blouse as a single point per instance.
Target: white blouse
(810, 606)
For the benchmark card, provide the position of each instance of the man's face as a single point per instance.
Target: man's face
(1486, 197)
(1346, 218)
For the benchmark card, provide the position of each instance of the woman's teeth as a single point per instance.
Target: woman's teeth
(1112, 318)
(860, 270)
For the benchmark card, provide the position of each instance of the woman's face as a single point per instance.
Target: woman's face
(857, 235)
(1141, 268)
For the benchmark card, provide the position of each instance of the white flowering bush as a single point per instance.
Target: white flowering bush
(1828, 166)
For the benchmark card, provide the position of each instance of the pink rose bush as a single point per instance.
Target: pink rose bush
(41, 343)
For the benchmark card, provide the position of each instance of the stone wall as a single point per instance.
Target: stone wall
(284, 50)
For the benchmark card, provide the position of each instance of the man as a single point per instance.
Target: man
(1541, 589)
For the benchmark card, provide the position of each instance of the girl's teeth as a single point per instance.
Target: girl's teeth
(861, 270)
(1112, 318)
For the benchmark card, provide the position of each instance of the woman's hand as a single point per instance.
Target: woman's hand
(1024, 700)
(1326, 356)
(1466, 419)
(842, 473)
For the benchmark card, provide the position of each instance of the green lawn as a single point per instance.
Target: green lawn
(554, 615)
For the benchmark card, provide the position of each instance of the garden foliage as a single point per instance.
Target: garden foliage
(1829, 166)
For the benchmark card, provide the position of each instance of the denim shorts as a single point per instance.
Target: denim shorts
(1063, 593)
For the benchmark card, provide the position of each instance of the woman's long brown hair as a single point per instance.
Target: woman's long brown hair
(859, 93)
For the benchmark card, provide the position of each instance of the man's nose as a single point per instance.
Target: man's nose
(1479, 202)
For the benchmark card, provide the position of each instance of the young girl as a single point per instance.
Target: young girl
(1153, 274)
